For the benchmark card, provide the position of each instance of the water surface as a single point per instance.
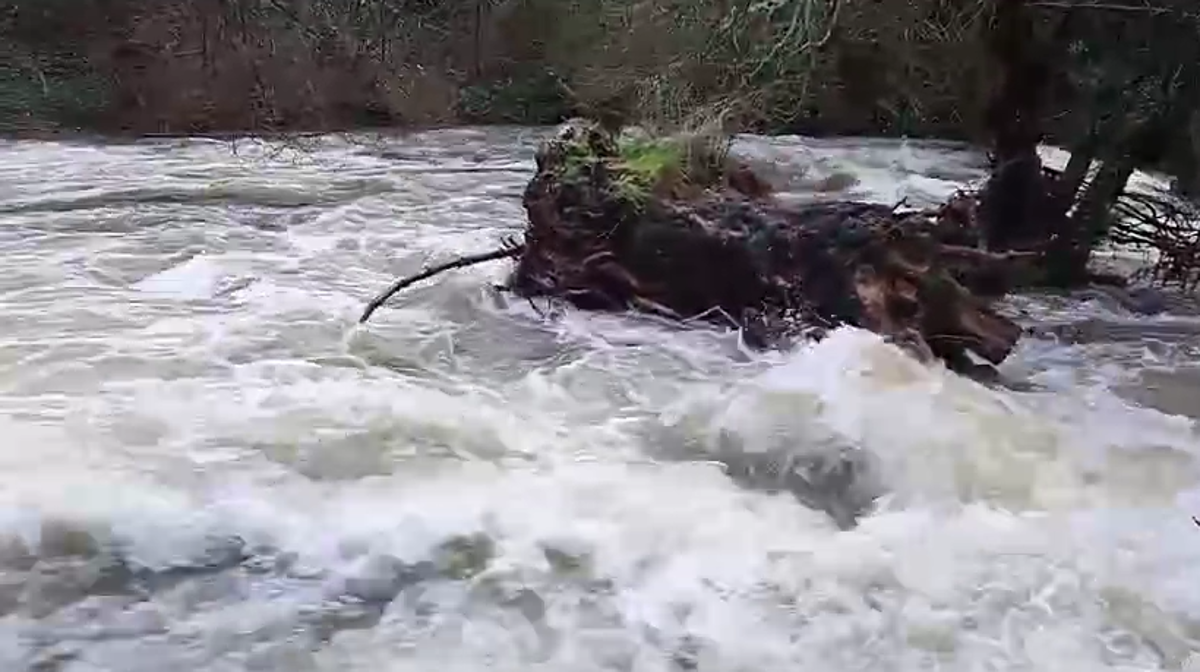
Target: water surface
(205, 465)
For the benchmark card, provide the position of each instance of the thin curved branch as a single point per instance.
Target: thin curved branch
(983, 256)
(791, 32)
(460, 262)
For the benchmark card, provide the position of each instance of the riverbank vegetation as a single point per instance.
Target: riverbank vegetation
(816, 66)
(1116, 82)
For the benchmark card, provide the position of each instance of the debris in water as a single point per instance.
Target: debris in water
(463, 557)
(506, 252)
(673, 228)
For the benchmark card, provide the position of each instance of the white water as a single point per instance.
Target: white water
(179, 368)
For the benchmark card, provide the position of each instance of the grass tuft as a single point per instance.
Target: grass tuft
(669, 166)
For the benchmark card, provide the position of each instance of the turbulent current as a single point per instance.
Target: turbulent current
(206, 465)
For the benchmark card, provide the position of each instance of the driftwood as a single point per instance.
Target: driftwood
(601, 239)
(506, 252)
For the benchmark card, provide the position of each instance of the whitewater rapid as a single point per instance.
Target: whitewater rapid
(205, 464)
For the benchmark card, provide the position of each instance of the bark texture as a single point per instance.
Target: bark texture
(601, 238)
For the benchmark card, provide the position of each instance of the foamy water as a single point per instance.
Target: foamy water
(206, 465)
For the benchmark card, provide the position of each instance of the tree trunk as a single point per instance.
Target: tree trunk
(1088, 224)
(1015, 192)
(1187, 179)
(1020, 208)
(1075, 173)
(1101, 195)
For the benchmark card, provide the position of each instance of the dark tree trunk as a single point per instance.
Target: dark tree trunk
(1186, 158)
(1101, 195)
(1015, 200)
(1020, 207)
(1089, 222)
(1075, 173)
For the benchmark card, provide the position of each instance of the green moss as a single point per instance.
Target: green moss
(644, 164)
(651, 159)
(697, 160)
(636, 165)
(578, 158)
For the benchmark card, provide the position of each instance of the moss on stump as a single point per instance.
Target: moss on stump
(675, 227)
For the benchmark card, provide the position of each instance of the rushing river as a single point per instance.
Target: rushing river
(205, 465)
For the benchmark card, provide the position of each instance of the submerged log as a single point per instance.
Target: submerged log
(618, 225)
(672, 228)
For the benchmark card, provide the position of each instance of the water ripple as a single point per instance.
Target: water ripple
(208, 465)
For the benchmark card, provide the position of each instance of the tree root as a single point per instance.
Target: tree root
(773, 271)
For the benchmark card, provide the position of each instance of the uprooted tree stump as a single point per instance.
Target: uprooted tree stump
(672, 228)
(609, 229)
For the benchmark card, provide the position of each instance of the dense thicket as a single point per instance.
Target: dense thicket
(1115, 81)
(830, 66)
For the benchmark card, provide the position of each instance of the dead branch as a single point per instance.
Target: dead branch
(1102, 6)
(984, 256)
(506, 252)
(789, 37)
(1166, 224)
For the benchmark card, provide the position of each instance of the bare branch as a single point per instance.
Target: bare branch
(506, 252)
(791, 33)
(1104, 6)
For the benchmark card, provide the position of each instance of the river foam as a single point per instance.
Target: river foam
(207, 465)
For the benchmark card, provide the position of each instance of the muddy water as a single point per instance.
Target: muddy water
(204, 464)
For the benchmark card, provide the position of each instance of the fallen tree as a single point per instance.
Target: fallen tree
(670, 227)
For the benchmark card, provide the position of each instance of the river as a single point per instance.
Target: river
(205, 465)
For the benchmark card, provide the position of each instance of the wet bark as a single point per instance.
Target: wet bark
(1068, 184)
(1015, 201)
(1091, 216)
(1022, 208)
(744, 260)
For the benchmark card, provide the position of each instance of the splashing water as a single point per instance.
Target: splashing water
(207, 466)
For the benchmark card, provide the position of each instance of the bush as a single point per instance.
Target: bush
(535, 98)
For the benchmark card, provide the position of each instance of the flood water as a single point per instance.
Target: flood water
(206, 465)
